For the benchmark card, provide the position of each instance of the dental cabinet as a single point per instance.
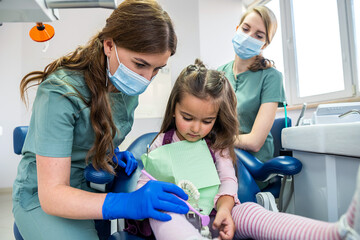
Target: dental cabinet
(329, 149)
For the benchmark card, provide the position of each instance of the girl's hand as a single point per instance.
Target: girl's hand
(225, 224)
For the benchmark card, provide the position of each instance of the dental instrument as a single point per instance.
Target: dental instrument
(205, 220)
(352, 111)
(301, 114)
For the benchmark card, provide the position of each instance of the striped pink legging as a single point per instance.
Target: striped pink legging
(253, 221)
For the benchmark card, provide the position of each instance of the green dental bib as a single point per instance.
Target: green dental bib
(185, 160)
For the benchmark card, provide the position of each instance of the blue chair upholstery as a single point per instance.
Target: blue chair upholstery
(17, 234)
(123, 182)
(137, 148)
(250, 168)
(19, 135)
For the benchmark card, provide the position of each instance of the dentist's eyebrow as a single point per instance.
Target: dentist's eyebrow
(146, 63)
(142, 61)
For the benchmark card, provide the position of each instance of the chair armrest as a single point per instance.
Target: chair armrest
(121, 182)
(247, 187)
(282, 165)
(19, 135)
(97, 176)
(125, 183)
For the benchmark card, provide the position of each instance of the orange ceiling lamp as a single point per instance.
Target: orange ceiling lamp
(41, 32)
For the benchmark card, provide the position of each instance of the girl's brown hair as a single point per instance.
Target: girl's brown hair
(202, 83)
(270, 23)
(141, 26)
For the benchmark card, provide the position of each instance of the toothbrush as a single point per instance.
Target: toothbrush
(205, 220)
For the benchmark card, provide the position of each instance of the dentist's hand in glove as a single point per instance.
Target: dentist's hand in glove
(147, 202)
(125, 160)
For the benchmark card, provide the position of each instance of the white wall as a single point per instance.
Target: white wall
(10, 106)
(20, 55)
(217, 26)
(204, 29)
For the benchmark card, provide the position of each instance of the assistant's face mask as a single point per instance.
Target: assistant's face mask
(127, 81)
(246, 46)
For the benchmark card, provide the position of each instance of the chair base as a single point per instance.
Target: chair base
(123, 236)
(17, 234)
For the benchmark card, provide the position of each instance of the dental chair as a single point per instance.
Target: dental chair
(278, 171)
(248, 169)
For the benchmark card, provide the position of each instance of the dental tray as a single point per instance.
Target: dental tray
(329, 113)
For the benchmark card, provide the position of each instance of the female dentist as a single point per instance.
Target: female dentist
(83, 110)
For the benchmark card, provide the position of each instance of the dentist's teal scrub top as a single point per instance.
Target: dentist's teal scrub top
(60, 126)
(253, 89)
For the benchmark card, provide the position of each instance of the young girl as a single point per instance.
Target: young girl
(202, 105)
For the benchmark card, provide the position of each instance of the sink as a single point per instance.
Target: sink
(330, 155)
(337, 138)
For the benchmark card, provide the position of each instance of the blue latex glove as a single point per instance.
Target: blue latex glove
(125, 160)
(146, 202)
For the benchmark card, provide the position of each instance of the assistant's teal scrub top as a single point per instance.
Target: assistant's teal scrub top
(60, 126)
(253, 89)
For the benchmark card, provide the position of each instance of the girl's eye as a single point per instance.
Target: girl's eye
(187, 118)
(207, 122)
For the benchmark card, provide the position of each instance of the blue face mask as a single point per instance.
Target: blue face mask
(246, 46)
(127, 81)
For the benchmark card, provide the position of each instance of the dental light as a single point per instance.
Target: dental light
(40, 11)
(44, 10)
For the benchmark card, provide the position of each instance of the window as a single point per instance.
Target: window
(275, 50)
(319, 48)
(356, 7)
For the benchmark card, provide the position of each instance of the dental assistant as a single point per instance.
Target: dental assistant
(84, 108)
(258, 85)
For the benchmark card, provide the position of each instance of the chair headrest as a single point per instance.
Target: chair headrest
(19, 136)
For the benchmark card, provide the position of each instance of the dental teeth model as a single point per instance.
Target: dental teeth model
(205, 232)
(194, 195)
(190, 189)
